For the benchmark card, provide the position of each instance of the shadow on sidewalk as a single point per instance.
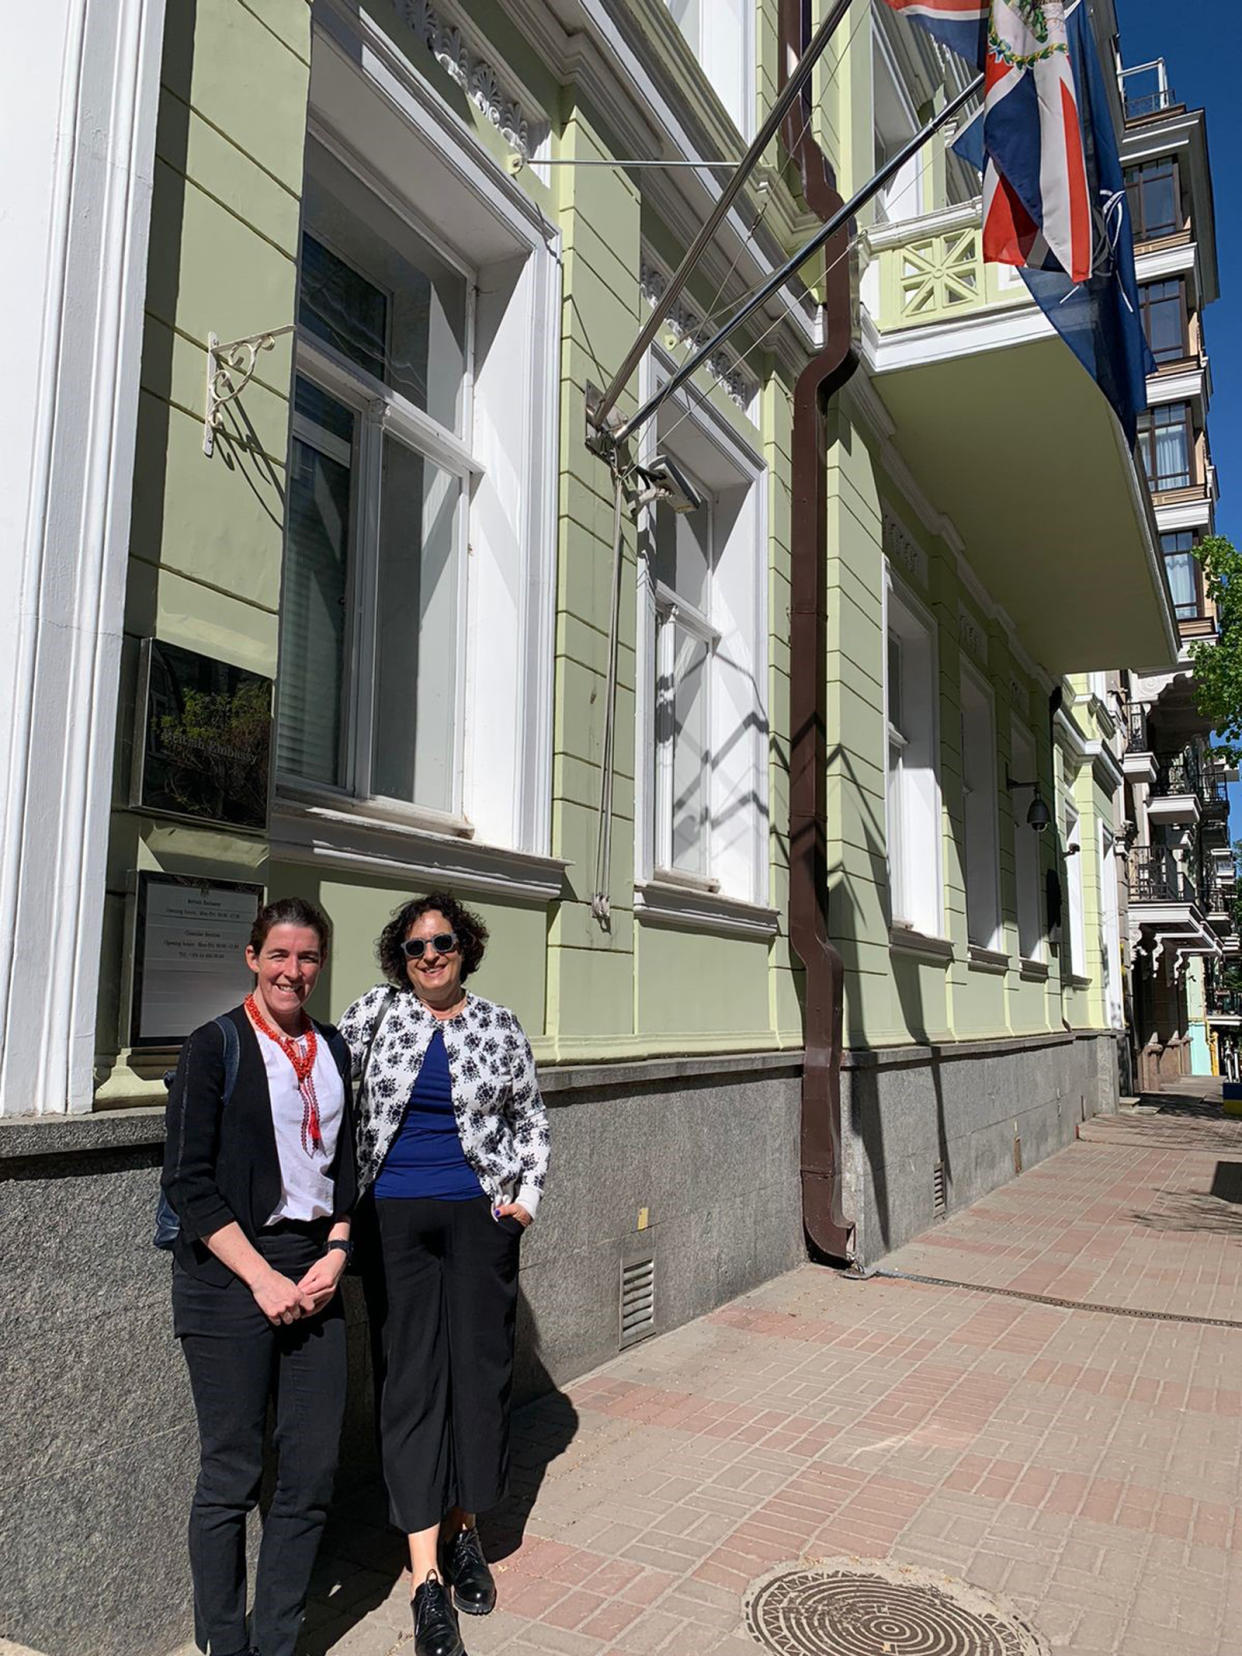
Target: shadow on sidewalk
(363, 1556)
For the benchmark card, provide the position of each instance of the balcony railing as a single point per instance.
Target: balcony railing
(1150, 103)
(1136, 727)
(1216, 802)
(1213, 898)
(931, 270)
(1225, 1003)
(1182, 774)
(1156, 876)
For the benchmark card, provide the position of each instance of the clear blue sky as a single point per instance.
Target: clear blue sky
(1194, 40)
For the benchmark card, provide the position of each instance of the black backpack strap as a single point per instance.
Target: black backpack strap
(232, 1056)
(167, 1225)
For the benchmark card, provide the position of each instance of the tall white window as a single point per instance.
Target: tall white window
(1110, 908)
(1026, 855)
(913, 793)
(375, 546)
(407, 350)
(1074, 893)
(979, 813)
(895, 123)
(721, 35)
(702, 709)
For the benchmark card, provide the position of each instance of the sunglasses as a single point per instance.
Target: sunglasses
(442, 943)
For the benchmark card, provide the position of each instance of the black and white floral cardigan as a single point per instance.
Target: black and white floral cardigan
(500, 1115)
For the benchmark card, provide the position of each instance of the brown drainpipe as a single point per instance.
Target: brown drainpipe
(823, 1211)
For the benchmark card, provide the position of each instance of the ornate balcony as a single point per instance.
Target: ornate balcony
(988, 407)
(1166, 910)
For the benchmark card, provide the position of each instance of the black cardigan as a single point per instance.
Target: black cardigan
(221, 1162)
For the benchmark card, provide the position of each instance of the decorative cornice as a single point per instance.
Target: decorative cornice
(901, 547)
(522, 130)
(970, 634)
(684, 325)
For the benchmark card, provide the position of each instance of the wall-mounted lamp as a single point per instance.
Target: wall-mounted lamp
(1038, 816)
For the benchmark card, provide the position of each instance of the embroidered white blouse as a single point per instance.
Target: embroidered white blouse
(501, 1119)
(307, 1191)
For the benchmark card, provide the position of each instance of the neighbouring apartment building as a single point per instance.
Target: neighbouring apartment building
(1180, 874)
(315, 573)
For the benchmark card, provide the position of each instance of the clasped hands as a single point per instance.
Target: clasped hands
(282, 1300)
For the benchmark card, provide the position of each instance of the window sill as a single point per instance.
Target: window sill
(685, 882)
(905, 940)
(987, 960)
(1073, 981)
(1033, 971)
(391, 812)
(660, 903)
(321, 835)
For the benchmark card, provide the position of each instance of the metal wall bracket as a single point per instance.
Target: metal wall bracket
(230, 368)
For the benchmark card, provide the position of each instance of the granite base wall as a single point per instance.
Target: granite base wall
(981, 1110)
(97, 1442)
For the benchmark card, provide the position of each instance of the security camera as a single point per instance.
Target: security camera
(665, 481)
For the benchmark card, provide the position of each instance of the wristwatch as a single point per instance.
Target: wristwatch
(340, 1245)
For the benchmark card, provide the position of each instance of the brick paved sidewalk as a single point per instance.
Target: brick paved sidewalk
(1084, 1465)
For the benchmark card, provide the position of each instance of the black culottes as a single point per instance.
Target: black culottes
(239, 1362)
(442, 1294)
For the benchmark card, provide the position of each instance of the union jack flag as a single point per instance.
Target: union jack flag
(961, 25)
(1036, 206)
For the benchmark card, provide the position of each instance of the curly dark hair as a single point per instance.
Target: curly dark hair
(469, 929)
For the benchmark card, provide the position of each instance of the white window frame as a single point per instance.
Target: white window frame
(704, 51)
(912, 797)
(903, 196)
(671, 612)
(658, 607)
(379, 411)
(981, 851)
(1114, 1005)
(1074, 896)
(365, 91)
(1029, 908)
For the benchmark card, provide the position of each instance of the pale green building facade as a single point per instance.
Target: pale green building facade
(425, 228)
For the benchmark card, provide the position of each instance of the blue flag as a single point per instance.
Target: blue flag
(1098, 319)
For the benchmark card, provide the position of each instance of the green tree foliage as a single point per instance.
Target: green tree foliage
(1218, 663)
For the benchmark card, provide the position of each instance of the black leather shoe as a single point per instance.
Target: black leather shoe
(435, 1625)
(465, 1567)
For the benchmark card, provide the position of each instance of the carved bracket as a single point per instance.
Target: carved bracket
(230, 368)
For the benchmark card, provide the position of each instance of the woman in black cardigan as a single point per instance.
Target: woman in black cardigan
(261, 1175)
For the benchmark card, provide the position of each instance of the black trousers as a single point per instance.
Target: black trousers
(442, 1294)
(237, 1362)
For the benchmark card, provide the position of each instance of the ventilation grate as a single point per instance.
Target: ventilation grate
(637, 1300)
(939, 1192)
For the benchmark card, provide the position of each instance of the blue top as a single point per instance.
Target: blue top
(426, 1158)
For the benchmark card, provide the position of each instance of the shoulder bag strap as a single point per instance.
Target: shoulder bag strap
(385, 1009)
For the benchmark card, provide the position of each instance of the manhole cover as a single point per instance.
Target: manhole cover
(856, 1607)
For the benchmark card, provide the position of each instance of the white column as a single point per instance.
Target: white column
(79, 93)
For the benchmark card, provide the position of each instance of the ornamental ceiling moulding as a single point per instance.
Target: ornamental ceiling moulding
(683, 324)
(478, 79)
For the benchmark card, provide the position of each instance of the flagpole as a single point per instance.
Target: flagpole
(793, 264)
(600, 411)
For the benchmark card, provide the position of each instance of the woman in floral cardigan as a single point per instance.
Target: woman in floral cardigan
(453, 1142)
